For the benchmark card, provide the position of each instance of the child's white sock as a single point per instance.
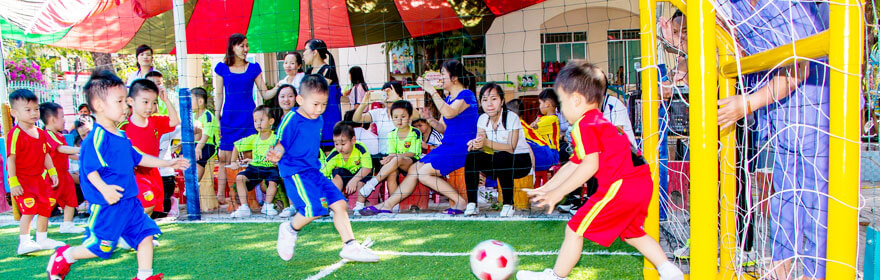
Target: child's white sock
(557, 276)
(143, 274)
(24, 237)
(668, 271)
(42, 236)
(66, 224)
(358, 205)
(369, 187)
(68, 255)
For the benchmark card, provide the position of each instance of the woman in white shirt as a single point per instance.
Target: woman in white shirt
(293, 68)
(500, 150)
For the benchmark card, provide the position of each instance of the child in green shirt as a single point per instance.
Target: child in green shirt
(404, 148)
(258, 168)
(349, 165)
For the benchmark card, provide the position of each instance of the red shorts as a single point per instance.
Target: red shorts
(617, 210)
(35, 200)
(150, 189)
(65, 194)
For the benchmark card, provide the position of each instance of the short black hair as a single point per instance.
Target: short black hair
(266, 110)
(396, 86)
(153, 74)
(48, 109)
(582, 77)
(284, 86)
(25, 95)
(311, 83)
(200, 93)
(549, 94)
(402, 104)
(81, 106)
(141, 85)
(343, 129)
(98, 84)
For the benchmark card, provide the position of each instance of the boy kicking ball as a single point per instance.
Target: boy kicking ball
(111, 189)
(309, 191)
(619, 207)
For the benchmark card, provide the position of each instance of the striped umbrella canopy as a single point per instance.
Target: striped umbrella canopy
(119, 26)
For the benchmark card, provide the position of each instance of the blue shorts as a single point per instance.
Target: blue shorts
(545, 157)
(446, 158)
(311, 193)
(124, 219)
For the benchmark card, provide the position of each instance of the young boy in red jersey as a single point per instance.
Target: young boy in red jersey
(28, 163)
(145, 129)
(107, 159)
(64, 195)
(619, 207)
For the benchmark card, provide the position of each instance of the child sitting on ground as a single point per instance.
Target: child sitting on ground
(349, 165)
(27, 163)
(404, 147)
(619, 207)
(108, 183)
(64, 195)
(258, 168)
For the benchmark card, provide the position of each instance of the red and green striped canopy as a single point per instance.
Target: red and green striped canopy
(271, 26)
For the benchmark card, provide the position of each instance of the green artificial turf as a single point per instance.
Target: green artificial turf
(247, 251)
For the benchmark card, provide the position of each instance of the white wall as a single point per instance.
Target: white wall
(371, 58)
(513, 43)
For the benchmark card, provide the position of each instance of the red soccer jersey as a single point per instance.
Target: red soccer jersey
(30, 152)
(594, 134)
(146, 139)
(59, 159)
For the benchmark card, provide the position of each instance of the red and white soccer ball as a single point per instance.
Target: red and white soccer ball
(493, 260)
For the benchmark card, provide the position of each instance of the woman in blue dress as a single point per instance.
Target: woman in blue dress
(316, 55)
(234, 80)
(460, 114)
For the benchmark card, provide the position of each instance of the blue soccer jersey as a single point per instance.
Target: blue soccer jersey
(301, 139)
(113, 157)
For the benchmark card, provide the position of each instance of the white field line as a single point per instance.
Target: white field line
(332, 268)
(327, 271)
(538, 253)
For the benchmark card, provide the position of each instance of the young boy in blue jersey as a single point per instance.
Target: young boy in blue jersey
(313, 195)
(111, 189)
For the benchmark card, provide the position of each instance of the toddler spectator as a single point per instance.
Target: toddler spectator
(403, 149)
(349, 164)
(258, 168)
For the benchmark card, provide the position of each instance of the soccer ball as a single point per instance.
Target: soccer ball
(493, 260)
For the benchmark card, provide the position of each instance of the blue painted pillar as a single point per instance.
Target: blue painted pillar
(188, 147)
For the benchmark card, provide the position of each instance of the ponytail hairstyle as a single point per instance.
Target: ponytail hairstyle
(234, 40)
(319, 46)
(465, 78)
(299, 61)
(500, 92)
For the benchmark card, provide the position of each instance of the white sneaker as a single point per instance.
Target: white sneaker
(547, 274)
(358, 253)
(121, 244)
(241, 212)
(271, 211)
(155, 243)
(368, 188)
(395, 209)
(357, 207)
(50, 244)
(286, 241)
(287, 212)
(471, 209)
(507, 210)
(70, 228)
(28, 246)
